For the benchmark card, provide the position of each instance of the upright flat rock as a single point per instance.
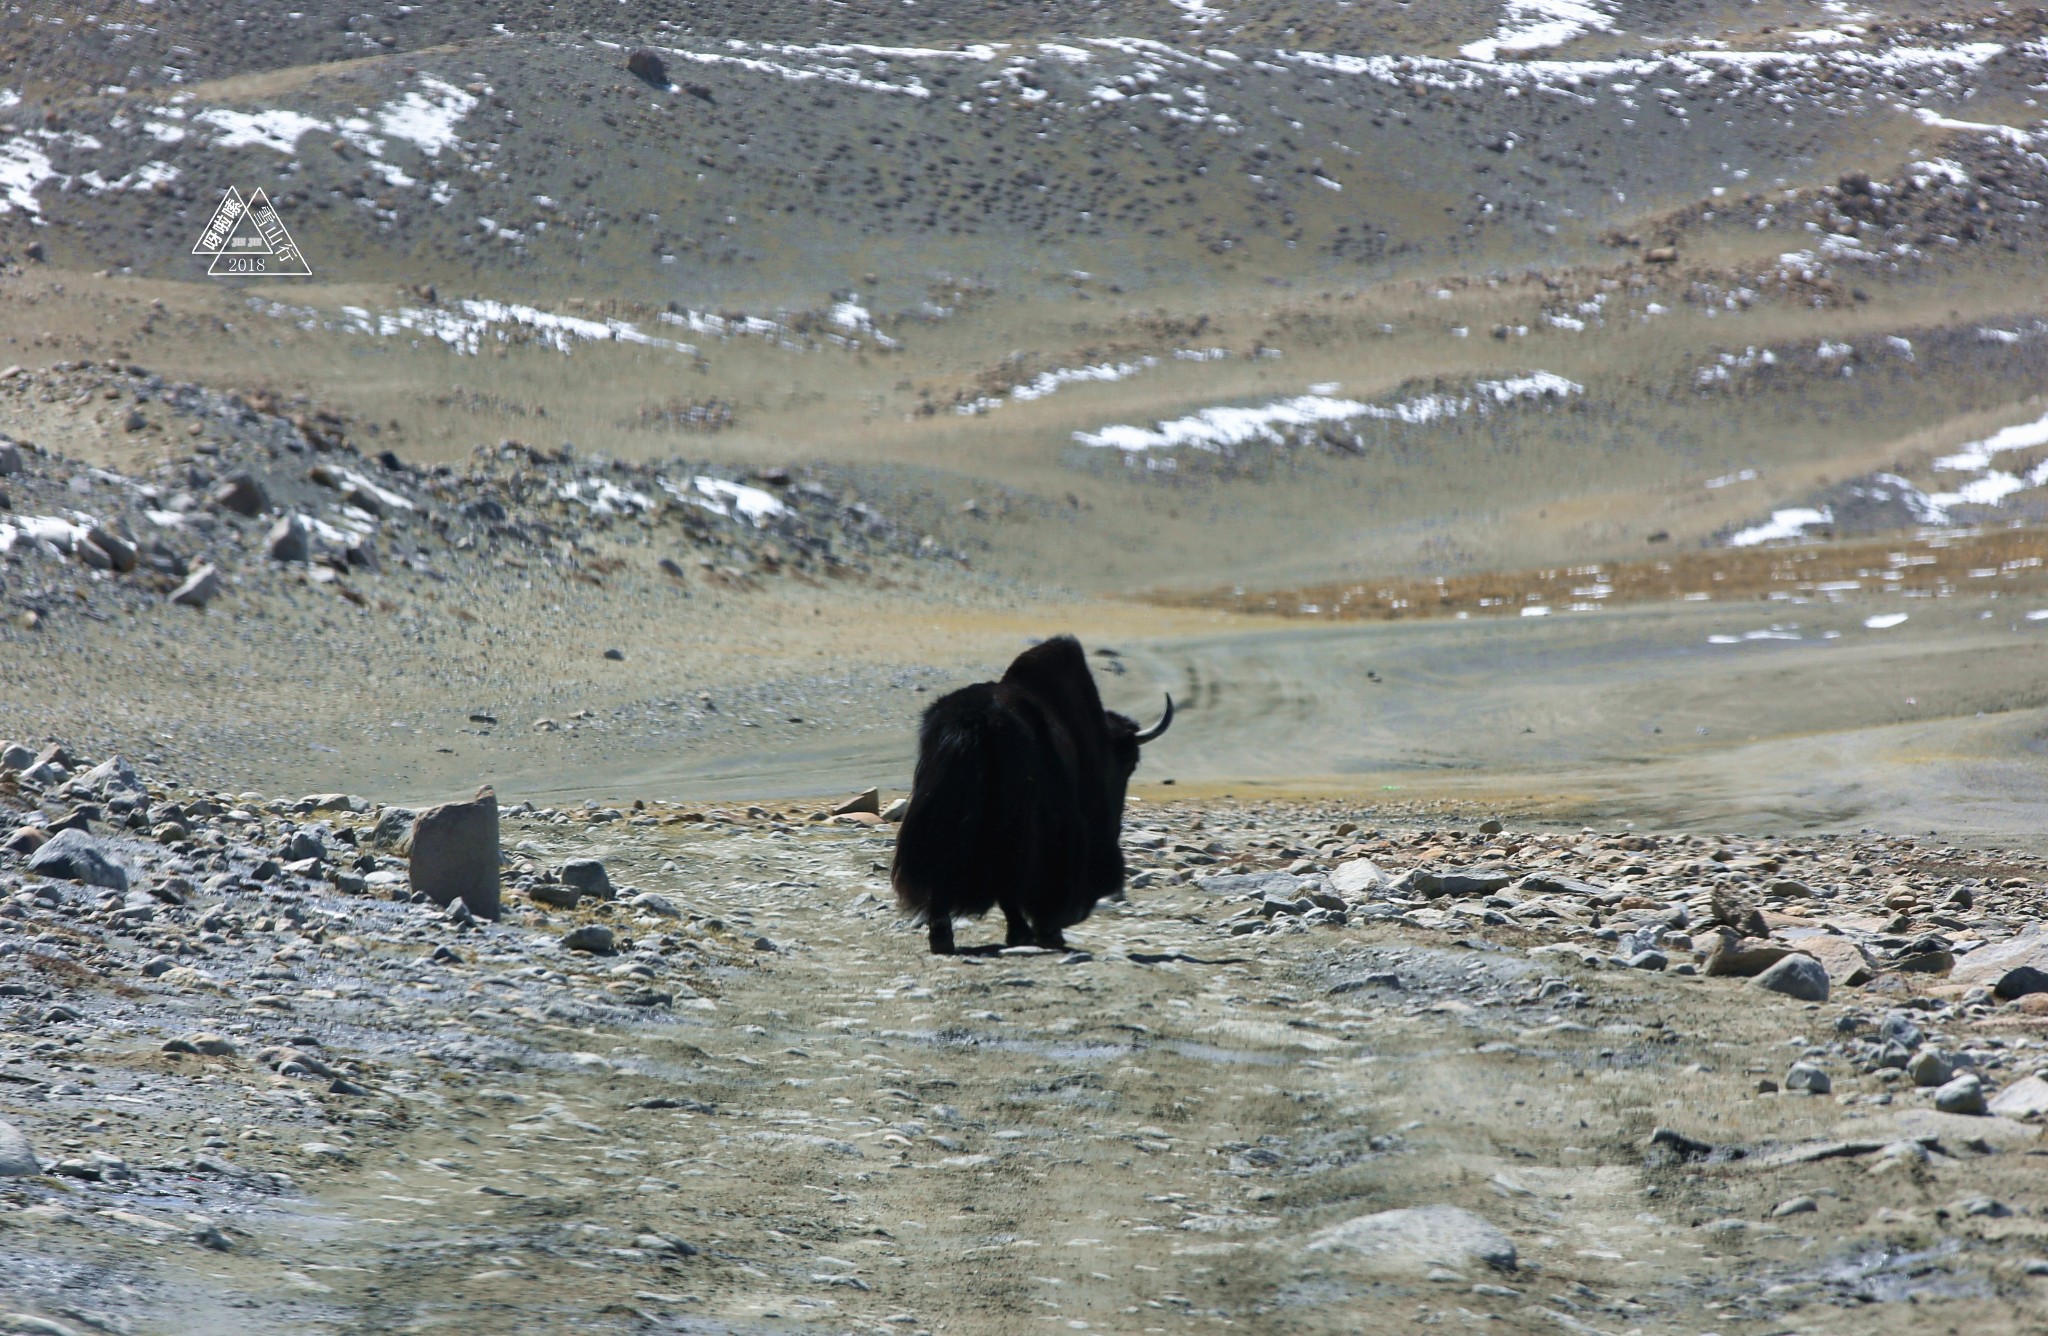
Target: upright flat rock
(455, 853)
(2009, 969)
(1418, 1238)
(17, 1157)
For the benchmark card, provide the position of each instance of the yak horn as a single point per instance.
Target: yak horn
(1159, 727)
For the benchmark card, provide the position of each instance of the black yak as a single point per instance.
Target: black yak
(1018, 801)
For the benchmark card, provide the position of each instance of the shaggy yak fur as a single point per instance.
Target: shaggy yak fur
(1018, 801)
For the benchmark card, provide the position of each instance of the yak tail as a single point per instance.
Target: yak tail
(949, 855)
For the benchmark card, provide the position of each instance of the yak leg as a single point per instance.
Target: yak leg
(940, 930)
(1017, 928)
(1052, 939)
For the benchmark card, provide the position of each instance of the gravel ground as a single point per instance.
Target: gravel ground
(264, 1090)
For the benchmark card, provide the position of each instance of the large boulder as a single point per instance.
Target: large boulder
(73, 855)
(1418, 1239)
(2012, 968)
(455, 853)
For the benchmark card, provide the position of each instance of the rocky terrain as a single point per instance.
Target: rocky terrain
(698, 1074)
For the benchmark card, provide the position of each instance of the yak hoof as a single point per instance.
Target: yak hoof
(941, 933)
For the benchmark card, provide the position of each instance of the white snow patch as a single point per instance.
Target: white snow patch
(1218, 429)
(464, 327)
(1979, 454)
(734, 498)
(1884, 621)
(602, 497)
(1782, 526)
(427, 116)
(23, 168)
(1538, 25)
(278, 129)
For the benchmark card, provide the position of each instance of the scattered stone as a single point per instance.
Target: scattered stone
(455, 854)
(1794, 1206)
(1731, 955)
(2009, 969)
(17, 1157)
(588, 877)
(2025, 1098)
(242, 494)
(595, 938)
(554, 895)
(205, 1045)
(118, 550)
(644, 64)
(868, 800)
(1930, 1067)
(1844, 960)
(1729, 910)
(1804, 1078)
(200, 588)
(1358, 876)
(289, 540)
(1964, 1094)
(393, 829)
(1795, 976)
(895, 810)
(1414, 1239)
(74, 855)
(1679, 1144)
(1459, 881)
(1649, 960)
